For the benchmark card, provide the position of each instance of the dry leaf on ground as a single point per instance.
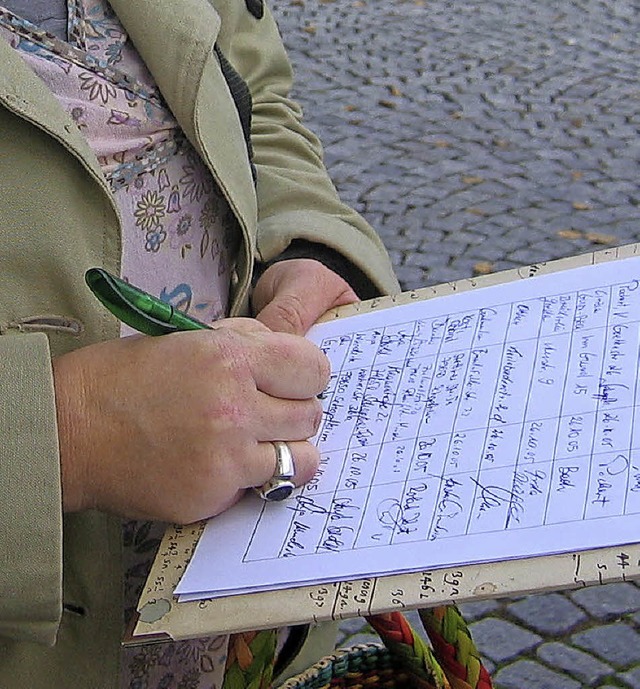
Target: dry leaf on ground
(598, 238)
(570, 234)
(483, 268)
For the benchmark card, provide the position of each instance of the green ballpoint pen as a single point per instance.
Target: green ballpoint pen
(138, 309)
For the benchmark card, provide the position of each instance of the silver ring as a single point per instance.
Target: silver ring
(280, 486)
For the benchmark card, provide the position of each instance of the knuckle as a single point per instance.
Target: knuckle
(227, 343)
(304, 417)
(232, 356)
(228, 414)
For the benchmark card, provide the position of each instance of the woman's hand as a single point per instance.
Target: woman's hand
(291, 295)
(175, 428)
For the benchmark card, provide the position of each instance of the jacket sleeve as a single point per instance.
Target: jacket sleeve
(296, 198)
(30, 496)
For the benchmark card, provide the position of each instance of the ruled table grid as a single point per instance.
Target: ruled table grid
(475, 422)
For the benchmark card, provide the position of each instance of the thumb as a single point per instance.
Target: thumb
(288, 313)
(292, 295)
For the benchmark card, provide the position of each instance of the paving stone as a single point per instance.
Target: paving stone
(580, 665)
(526, 256)
(476, 610)
(548, 614)
(486, 252)
(532, 675)
(632, 678)
(433, 260)
(456, 222)
(501, 640)
(617, 643)
(606, 602)
(353, 625)
(434, 276)
(410, 277)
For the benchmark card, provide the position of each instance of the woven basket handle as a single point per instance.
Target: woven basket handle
(454, 661)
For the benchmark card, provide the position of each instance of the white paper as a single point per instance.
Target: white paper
(491, 424)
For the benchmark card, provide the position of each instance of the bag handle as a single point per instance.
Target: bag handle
(250, 659)
(453, 663)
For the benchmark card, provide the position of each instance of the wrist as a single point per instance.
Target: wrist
(72, 422)
(330, 258)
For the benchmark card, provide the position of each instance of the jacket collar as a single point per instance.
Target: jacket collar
(176, 41)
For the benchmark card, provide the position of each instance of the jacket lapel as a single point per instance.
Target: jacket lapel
(22, 92)
(175, 40)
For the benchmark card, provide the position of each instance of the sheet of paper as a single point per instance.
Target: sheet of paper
(491, 424)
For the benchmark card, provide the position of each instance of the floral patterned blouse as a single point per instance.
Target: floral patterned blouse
(179, 241)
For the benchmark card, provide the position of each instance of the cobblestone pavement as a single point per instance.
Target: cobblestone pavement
(476, 137)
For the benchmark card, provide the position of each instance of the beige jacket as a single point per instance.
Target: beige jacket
(60, 576)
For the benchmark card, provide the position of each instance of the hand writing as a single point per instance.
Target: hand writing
(174, 428)
(291, 295)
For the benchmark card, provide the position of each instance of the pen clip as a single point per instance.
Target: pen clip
(119, 298)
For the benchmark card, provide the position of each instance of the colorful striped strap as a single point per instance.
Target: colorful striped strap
(409, 648)
(454, 647)
(453, 662)
(250, 660)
